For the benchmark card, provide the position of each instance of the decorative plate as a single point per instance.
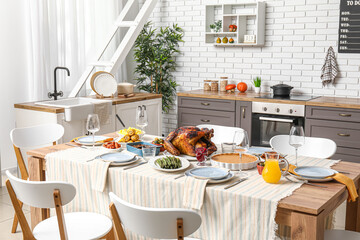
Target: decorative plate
(103, 83)
(184, 164)
(88, 140)
(230, 176)
(117, 157)
(122, 163)
(328, 179)
(314, 172)
(209, 173)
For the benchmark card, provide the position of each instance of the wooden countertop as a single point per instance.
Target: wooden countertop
(338, 102)
(116, 100)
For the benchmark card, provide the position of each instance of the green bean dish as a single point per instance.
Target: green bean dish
(169, 162)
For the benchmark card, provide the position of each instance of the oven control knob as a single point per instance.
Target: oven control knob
(277, 109)
(265, 109)
(291, 111)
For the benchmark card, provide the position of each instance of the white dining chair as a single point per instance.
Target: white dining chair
(313, 147)
(163, 223)
(341, 235)
(76, 225)
(32, 137)
(221, 133)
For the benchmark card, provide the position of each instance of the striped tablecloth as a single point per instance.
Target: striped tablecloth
(246, 211)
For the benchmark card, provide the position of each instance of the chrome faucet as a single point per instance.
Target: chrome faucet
(55, 94)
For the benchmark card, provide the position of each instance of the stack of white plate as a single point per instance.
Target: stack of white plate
(314, 174)
(118, 158)
(213, 174)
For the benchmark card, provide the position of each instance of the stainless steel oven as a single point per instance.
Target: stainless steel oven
(271, 119)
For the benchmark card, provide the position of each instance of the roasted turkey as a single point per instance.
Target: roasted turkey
(185, 140)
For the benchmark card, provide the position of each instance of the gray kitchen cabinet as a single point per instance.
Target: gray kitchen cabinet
(195, 111)
(243, 116)
(340, 125)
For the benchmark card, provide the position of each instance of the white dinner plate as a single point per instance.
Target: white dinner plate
(117, 157)
(328, 179)
(259, 150)
(212, 173)
(88, 140)
(230, 176)
(314, 172)
(121, 163)
(184, 164)
(104, 84)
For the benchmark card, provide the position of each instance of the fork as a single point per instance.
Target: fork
(305, 182)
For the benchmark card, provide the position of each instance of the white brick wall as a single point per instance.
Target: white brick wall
(298, 33)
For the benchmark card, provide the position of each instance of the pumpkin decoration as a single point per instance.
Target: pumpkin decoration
(218, 40)
(225, 40)
(242, 87)
(231, 40)
(232, 28)
(230, 88)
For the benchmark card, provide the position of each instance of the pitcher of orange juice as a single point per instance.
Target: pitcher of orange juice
(272, 171)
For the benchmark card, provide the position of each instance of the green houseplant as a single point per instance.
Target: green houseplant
(257, 84)
(216, 26)
(154, 51)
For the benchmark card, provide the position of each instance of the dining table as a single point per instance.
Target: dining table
(305, 210)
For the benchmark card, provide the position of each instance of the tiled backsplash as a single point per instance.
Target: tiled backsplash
(298, 34)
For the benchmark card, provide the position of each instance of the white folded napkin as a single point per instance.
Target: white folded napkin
(99, 172)
(194, 191)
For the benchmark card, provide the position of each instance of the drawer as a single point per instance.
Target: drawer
(193, 117)
(345, 134)
(347, 154)
(340, 114)
(207, 103)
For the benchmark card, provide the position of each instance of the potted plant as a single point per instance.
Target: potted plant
(257, 84)
(154, 52)
(216, 26)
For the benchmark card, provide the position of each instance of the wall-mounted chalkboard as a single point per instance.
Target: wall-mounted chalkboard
(349, 26)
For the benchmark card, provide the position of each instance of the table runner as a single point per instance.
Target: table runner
(246, 211)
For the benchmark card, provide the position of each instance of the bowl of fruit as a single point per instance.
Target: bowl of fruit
(112, 146)
(159, 142)
(129, 135)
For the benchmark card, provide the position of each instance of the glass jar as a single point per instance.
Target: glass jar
(207, 86)
(223, 83)
(214, 85)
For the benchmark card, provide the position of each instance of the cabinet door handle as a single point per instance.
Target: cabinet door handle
(344, 135)
(205, 120)
(205, 104)
(243, 112)
(344, 115)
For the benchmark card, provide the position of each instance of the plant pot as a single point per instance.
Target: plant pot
(257, 89)
(259, 168)
(212, 30)
(281, 89)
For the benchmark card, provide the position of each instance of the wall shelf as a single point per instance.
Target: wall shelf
(248, 17)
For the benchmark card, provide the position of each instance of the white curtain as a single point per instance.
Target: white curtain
(66, 33)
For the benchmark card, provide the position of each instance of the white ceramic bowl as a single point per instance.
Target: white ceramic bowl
(234, 166)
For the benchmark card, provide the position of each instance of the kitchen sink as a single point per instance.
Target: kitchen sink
(75, 108)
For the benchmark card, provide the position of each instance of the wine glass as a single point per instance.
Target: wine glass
(296, 139)
(141, 117)
(241, 141)
(93, 125)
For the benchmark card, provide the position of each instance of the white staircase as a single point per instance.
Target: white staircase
(134, 28)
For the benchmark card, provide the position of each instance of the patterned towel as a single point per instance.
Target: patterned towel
(99, 171)
(329, 70)
(194, 191)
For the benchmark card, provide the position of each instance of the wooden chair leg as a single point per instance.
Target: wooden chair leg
(16, 220)
(110, 235)
(117, 222)
(180, 228)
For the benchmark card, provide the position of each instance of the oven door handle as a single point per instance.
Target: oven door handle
(276, 119)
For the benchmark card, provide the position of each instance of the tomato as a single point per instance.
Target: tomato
(230, 86)
(242, 87)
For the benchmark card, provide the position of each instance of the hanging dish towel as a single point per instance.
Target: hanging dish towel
(329, 70)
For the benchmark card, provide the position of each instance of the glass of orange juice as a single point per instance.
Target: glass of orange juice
(272, 171)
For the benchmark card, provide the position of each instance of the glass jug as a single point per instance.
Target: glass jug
(272, 171)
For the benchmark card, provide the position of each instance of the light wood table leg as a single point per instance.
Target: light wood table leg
(352, 221)
(307, 227)
(37, 173)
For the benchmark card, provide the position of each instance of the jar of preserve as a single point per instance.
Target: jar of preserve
(214, 85)
(223, 83)
(207, 86)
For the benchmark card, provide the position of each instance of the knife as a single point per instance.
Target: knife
(134, 165)
(235, 183)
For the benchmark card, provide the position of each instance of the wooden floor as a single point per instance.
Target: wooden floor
(7, 213)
